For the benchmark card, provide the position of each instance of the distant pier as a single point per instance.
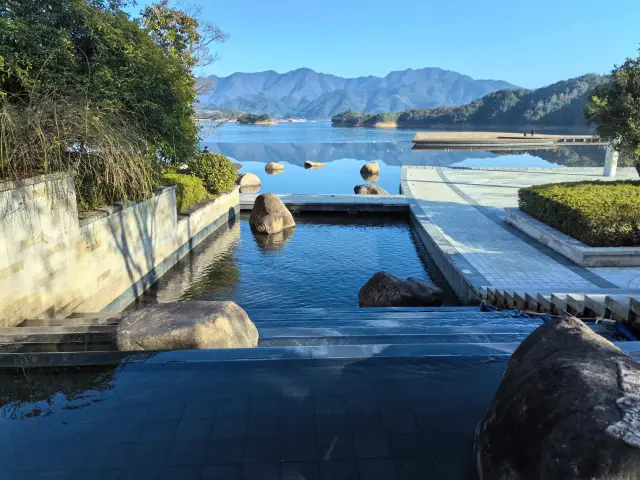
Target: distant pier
(498, 140)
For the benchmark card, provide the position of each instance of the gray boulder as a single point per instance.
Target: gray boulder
(371, 168)
(237, 166)
(309, 164)
(369, 190)
(248, 180)
(190, 325)
(269, 215)
(568, 407)
(250, 189)
(370, 177)
(273, 166)
(385, 290)
(275, 241)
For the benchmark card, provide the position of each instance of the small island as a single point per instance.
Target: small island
(253, 119)
(351, 118)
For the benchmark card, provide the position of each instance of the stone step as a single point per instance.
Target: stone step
(322, 353)
(70, 322)
(595, 305)
(618, 307)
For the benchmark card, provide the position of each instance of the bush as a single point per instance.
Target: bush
(190, 190)
(216, 171)
(599, 214)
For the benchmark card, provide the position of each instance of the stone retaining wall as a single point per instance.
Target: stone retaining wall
(53, 264)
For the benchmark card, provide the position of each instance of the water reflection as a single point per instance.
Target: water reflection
(275, 241)
(370, 177)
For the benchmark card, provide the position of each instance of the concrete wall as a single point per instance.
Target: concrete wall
(53, 264)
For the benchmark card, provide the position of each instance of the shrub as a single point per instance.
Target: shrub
(599, 214)
(216, 171)
(190, 190)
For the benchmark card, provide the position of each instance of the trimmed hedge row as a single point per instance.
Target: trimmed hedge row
(599, 214)
(189, 191)
(216, 171)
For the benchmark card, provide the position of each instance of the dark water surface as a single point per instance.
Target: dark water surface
(369, 419)
(322, 262)
(345, 150)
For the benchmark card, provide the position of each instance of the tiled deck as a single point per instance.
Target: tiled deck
(463, 211)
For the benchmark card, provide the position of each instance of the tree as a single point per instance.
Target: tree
(614, 108)
(92, 52)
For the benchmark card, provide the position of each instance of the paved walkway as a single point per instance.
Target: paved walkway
(466, 208)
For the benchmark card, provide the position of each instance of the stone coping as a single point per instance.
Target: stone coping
(25, 182)
(571, 248)
(335, 203)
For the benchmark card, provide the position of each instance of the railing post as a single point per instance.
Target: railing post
(610, 162)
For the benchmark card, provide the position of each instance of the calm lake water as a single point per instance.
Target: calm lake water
(345, 150)
(322, 262)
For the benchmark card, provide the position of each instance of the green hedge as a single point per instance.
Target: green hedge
(599, 214)
(189, 191)
(216, 171)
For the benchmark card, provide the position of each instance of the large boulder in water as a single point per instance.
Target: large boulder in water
(248, 180)
(189, 325)
(568, 407)
(274, 167)
(369, 190)
(269, 215)
(369, 177)
(385, 290)
(309, 164)
(371, 168)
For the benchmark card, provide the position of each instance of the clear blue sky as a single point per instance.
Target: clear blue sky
(530, 44)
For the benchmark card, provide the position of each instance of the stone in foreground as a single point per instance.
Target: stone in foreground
(309, 164)
(385, 290)
(190, 325)
(371, 168)
(369, 190)
(568, 407)
(269, 215)
(248, 180)
(273, 166)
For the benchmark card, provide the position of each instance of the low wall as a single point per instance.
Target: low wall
(53, 264)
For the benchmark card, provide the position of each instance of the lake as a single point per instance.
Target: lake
(345, 150)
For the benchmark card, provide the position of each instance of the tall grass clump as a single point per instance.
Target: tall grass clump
(109, 158)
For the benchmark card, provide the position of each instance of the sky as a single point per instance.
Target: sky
(530, 44)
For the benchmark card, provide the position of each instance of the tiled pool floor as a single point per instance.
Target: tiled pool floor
(373, 419)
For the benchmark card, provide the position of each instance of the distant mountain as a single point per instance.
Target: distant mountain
(309, 94)
(560, 104)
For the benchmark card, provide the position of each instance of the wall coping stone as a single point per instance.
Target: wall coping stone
(25, 182)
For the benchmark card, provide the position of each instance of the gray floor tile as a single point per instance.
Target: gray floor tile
(158, 431)
(225, 452)
(196, 429)
(407, 446)
(142, 473)
(188, 453)
(413, 469)
(222, 472)
(262, 449)
(399, 421)
(366, 424)
(377, 470)
(330, 425)
(300, 471)
(339, 470)
(236, 407)
(181, 473)
(296, 449)
(336, 447)
(371, 446)
(229, 428)
(261, 471)
(149, 454)
(264, 427)
(298, 426)
(329, 406)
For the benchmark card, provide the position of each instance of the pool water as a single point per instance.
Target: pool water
(322, 262)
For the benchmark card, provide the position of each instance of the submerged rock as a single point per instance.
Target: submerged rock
(237, 166)
(269, 215)
(190, 325)
(248, 179)
(385, 290)
(369, 190)
(568, 407)
(309, 164)
(273, 167)
(371, 168)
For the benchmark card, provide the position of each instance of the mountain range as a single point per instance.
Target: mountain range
(308, 94)
(559, 104)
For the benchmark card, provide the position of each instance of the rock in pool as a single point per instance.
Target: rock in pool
(309, 164)
(248, 179)
(385, 290)
(274, 167)
(371, 168)
(369, 190)
(269, 215)
(568, 407)
(189, 325)
(250, 189)
(237, 166)
(369, 177)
